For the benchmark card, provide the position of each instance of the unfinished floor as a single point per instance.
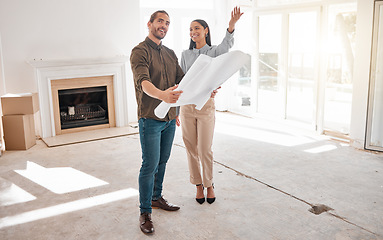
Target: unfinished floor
(268, 175)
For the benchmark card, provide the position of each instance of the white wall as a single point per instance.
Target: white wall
(361, 72)
(64, 30)
(70, 29)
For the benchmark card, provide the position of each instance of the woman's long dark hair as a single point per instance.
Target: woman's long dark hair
(204, 25)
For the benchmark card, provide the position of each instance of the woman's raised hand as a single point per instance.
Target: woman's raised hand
(235, 16)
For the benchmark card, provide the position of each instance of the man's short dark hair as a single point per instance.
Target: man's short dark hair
(154, 15)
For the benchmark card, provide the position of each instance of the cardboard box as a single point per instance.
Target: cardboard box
(23, 103)
(19, 132)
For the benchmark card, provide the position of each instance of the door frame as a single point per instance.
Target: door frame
(371, 90)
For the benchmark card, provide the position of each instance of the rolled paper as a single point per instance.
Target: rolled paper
(162, 109)
(204, 76)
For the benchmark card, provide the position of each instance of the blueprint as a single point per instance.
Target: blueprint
(204, 76)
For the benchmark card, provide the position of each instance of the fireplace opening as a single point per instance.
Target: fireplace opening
(81, 107)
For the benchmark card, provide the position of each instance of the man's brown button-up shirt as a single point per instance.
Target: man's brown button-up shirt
(158, 65)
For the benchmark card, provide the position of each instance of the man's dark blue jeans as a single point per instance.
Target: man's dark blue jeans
(156, 143)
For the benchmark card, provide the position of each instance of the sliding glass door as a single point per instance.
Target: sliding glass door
(303, 65)
(339, 48)
(302, 74)
(287, 65)
(270, 80)
(374, 133)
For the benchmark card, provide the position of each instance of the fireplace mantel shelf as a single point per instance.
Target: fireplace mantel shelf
(38, 63)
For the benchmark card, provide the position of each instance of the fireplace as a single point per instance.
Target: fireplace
(81, 104)
(55, 75)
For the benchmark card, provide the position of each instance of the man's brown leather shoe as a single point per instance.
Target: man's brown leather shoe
(146, 223)
(163, 204)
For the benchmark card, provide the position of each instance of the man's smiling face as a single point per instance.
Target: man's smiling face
(159, 27)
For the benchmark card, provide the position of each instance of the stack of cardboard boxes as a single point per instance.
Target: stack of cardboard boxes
(18, 120)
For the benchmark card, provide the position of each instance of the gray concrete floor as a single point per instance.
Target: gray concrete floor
(268, 175)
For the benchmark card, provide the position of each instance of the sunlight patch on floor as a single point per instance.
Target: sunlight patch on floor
(282, 139)
(60, 180)
(12, 194)
(67, 207)
(320, 149)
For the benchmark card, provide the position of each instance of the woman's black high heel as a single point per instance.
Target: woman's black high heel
(211, 200)
(200, 200)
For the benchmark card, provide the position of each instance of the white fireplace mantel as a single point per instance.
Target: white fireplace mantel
(48, 70)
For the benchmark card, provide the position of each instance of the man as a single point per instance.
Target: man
(156, 72)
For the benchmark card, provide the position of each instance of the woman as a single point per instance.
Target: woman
(198, 125)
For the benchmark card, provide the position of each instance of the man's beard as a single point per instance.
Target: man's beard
(158, 36)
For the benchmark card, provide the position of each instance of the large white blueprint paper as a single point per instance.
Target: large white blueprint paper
(204, 76)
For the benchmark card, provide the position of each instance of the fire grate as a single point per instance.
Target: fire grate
(82, 112)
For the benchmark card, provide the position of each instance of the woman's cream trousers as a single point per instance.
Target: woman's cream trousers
(197, 132)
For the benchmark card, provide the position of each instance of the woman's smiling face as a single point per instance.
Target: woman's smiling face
(197, 32)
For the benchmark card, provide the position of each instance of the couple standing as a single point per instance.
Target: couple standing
(156, 73)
